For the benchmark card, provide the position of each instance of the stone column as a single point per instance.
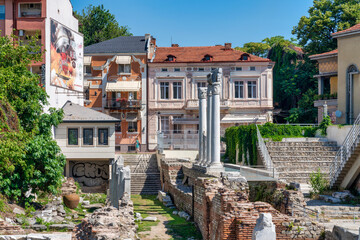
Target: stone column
(215, 126)
(202, 122)
(207, 161)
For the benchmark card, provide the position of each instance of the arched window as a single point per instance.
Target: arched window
(245, 57)
(171, 58)
(207, 58)
(352, 69)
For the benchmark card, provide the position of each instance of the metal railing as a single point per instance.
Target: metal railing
(178, 140)
(265, 153)
(345, 151)
(123, 104)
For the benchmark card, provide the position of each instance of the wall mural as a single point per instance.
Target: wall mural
(66, 56)
(90, 174)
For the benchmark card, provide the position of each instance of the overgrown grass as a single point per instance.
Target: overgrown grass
(177, 227)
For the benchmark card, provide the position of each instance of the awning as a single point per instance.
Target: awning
(87, 60)
(123, 86)
(123, 59)
(232, 118)
(131, 117)
(185, 121)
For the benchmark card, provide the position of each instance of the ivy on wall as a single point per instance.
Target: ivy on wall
(242, 140)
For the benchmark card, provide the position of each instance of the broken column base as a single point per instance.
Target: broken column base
(214, 170)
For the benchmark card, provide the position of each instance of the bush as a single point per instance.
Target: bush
(325, 123)
(318, 183)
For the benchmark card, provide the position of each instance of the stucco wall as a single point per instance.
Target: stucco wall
(349, 52)
(86, 152)
(338, 134)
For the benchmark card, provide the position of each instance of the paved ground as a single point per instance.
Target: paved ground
(344, 223)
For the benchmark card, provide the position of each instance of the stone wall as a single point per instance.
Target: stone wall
(221, 208)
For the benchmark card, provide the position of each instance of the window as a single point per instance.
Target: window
(103, 136)
(252, 68)
(2, 11)
(132, 126)
(164, 121)
(177, 127)
(73, 134)
(177, 87)
(88, 135)
(239, 89)
(171, 58)
(87, 69)
(252, 89)
(238, 69)
(30, 10)
(201, 84)
(164, 90)
(124, 68)
(176, 69)
(245, 58)
(118, 127)
(201, 69)
(164, 69)
(87, 94)
(213, 68)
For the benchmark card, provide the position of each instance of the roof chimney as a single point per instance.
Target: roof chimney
(227, 46)
(174, 45)
(147, 36)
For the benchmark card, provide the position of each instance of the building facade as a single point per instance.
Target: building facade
(176, 73)
(327, 84)
(116, 84)
(53, 21)
(87, 139)
(339, 77)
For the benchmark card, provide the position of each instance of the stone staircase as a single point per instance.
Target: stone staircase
(145, 175)
(294, 160)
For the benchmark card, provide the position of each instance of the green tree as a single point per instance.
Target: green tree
(256, 48)
(326, 17)
(98, 24)
(29, 157)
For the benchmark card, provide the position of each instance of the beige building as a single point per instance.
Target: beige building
(339, 77)
(174, 77)
(87, 139)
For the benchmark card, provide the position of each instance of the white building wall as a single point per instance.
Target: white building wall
(86, 152)
(61, 11)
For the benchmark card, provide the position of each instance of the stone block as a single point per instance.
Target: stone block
(18, 211)
(150, 219)
(265, 228)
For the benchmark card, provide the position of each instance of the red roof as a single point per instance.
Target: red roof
(324, 54)
(354, 28)
(197, 54)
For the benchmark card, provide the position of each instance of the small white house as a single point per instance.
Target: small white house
(87, 139)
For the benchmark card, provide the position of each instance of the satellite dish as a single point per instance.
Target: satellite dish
(338, 113)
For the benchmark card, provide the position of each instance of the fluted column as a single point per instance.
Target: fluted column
(202, 123)
(207, 161)
(215, 126)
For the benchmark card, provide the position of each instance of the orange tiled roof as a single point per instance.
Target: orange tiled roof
(352, 29)
(197, 54)
(324, 54)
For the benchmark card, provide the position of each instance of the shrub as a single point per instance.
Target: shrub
(325, 123)
(318, 183)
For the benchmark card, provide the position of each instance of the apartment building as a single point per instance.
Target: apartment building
(116, 84)
(53, 21)
(176, 73)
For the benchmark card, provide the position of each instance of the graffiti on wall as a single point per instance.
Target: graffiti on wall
(90, 174)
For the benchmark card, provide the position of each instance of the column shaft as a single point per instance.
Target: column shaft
(208, 126)
(215, 126)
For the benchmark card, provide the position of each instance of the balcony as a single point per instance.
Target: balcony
(122, 104)
(30, 10)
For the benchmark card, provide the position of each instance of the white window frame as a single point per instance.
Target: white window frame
(165, 86)
(239, 88)
(165, 124)
(164, 69)
(238, 69)
(252, 68)
(252, 89)
(177, 69)
(177, 87)
(124, 69)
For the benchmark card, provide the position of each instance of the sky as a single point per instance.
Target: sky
(205, 23)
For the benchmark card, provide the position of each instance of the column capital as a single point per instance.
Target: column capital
(216, 88)
(202, 92)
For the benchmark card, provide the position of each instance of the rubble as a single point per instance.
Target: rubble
(109, 223)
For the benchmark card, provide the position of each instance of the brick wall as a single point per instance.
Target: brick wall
(221, 212)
